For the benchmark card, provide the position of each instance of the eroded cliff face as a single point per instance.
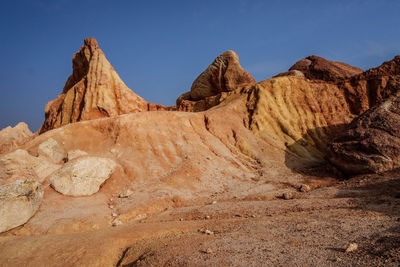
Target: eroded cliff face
(94, 90)
(297, 115)
(365, 90)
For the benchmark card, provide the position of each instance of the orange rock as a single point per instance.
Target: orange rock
(318, 68)
(224, 75)
(94, 90)
(12, 137)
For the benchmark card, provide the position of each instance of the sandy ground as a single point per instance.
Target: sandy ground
(312, 229)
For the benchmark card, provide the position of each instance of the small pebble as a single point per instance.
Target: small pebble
(207, 217)
(208, 232)
(287, 196)
(116, 222)
(125, 194)
(181, 219)
(352, 247)
(214, 202)
(114, 214)
(111, 206)
(304, 188)
(209, 251)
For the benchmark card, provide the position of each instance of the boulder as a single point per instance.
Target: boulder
(318, 68)
(371, 143)
(82, 176)
(18, 203)
(224, 75)
(20, 163)
(51, 150)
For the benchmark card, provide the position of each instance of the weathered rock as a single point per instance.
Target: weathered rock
(73, 154)
(94, 90)
(82, 176)
(224, 75)
(11, 138)
(51, 150)
(304, 188)
(371, 143)
(18, 203)
(20, 163)
(287, 195)
(318, 68)
(365, 90)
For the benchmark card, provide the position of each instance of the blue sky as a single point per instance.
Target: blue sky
(159, 47)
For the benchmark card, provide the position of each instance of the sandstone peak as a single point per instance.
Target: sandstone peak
(319, 68)
(91, 43)
(94, 90)
(224, 74)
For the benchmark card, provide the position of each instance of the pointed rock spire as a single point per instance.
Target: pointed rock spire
(94, 90)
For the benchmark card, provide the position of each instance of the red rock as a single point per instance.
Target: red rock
(318, 68)
(365, 90)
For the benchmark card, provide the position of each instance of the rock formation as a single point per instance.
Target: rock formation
(318, 68)
(82, 176)
(371, 143)
(94, 90)
(224, 75)
(11, 138)
(51, 150)
(19, 164)
(365, 90)
(18, 203)
(253, 144)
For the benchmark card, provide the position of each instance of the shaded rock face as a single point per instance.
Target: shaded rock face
(12, 137)
(224, 75)
(318, 68)
(82, 176)
(19, 164)
(371, 143)
(94, 90)
(370, 87)
(18, 203)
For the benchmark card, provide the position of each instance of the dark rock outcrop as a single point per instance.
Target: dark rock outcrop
(371, 143)
(318, 68)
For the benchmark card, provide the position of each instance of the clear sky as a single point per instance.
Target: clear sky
(159, 47)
